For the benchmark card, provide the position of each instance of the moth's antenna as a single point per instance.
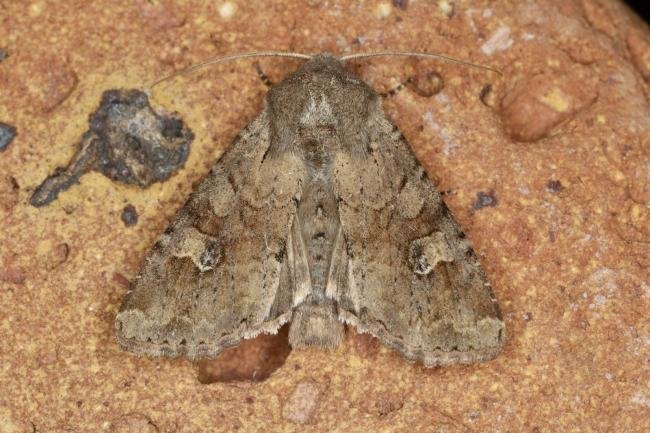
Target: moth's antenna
(223, 59)
(414, 54)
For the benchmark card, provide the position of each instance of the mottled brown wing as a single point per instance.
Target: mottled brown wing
(219, 272)
(405, 272)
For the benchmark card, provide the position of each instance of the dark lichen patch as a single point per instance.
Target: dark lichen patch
(129, 215)
(7, 135)
(127, 141)
(554, 186)
(402, 4)
(485, 199)
(3, 55)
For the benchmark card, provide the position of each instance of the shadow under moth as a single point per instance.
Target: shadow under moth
(320, 215)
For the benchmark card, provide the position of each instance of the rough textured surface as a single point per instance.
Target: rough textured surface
(565, 247)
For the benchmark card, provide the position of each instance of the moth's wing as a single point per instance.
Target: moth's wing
(219, 273)
(404, 271)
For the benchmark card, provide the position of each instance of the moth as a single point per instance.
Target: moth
(318, 214)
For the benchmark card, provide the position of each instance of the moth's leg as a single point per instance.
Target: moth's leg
(395, 90)
(265, 78)
(447, 192)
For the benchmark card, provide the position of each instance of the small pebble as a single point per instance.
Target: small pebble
(7, 135)
(446, 7)
(485, 200)
(383, 10)
(301, 406)
(537, 104)
(554, 186)
(227, 10)
(129, 215)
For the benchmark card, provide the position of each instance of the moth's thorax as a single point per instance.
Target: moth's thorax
(321, 102)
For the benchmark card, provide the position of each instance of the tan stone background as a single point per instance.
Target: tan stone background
(558, 144)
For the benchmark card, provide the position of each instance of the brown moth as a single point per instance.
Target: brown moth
(318, 214)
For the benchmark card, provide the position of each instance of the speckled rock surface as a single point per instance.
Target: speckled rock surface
(546, 168)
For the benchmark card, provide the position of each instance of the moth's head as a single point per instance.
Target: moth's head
(320, 102)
